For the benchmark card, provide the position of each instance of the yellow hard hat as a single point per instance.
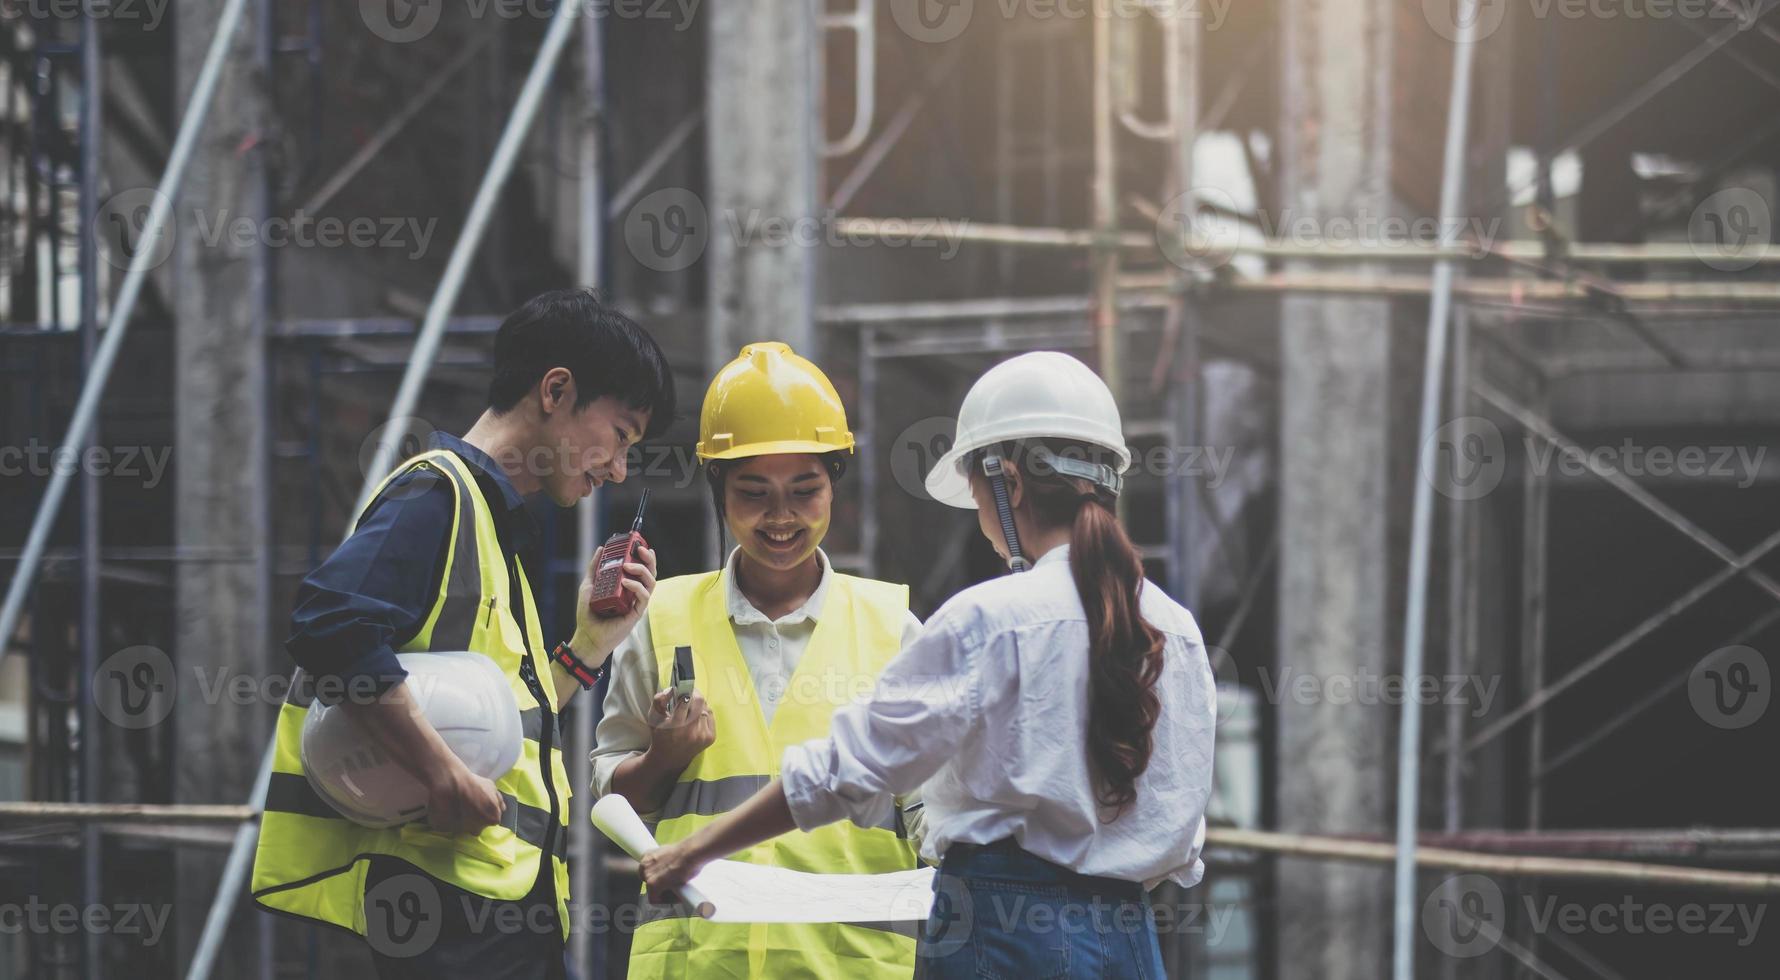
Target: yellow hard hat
(769, 400)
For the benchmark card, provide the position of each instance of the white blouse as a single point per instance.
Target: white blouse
(987, 712)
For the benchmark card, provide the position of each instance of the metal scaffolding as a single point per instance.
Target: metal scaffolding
(1120, 304)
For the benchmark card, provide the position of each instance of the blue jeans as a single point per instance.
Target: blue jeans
(1000, 912)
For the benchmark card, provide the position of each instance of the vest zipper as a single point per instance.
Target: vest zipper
(528, 672)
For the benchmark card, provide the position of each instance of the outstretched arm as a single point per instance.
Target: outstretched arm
(763, 816)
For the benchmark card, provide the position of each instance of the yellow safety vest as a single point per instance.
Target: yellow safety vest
(859, 631)
(311, 862)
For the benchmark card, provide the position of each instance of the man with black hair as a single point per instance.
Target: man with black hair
(438, 561)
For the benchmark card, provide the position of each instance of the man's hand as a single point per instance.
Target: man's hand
(461, 802)
(679, 730)
(596, 638)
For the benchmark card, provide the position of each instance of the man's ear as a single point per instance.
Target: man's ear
(556, 389)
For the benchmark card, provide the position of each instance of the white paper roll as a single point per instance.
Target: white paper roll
(616, 819)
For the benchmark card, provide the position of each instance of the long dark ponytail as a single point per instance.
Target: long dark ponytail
(1124, 650)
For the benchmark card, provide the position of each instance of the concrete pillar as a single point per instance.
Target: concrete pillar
(1335, 574)
(763, 143)
(763, 140)
(220, 459)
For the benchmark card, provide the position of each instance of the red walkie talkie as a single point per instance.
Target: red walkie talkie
(610, 597)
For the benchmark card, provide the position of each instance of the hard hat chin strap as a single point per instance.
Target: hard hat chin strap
(996, 470)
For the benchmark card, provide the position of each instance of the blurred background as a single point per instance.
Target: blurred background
(215, 284)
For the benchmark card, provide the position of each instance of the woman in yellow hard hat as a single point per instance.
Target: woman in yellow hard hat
(779, 639)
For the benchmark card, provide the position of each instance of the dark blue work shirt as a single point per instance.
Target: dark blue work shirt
(374, 592)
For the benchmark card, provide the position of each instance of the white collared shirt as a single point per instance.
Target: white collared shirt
(987, 712)
(772, 649)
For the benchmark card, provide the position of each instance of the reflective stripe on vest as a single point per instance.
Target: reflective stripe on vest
(311, 861)
(858, 632)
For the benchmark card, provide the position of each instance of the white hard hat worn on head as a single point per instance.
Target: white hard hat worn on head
(464, 696)
(1044, 394)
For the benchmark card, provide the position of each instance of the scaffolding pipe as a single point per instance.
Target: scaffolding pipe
(426, 347)
(86, 410)
(1409, 738)
(1507, 289)
(91, 117)
(216, 922)
(1449, 248)
(586, 877)
(1516, 865)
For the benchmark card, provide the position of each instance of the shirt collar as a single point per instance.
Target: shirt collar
(1057, 554)
(482, 461)
(743, 613)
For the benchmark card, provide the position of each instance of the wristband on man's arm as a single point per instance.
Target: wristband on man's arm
(584, 675)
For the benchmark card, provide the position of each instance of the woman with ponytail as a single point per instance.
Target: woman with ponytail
(1058, 721)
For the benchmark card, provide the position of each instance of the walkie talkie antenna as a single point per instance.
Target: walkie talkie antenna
(642, 504)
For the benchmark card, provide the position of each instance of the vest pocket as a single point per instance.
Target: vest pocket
(496, 845)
